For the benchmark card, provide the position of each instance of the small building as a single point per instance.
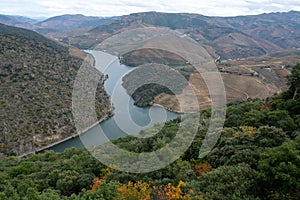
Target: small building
(218, 60)
(254, 73)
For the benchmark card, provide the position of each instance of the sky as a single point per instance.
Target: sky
(49, 8)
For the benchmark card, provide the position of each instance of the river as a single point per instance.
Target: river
(127, 117)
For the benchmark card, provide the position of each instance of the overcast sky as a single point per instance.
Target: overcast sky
(48, 8)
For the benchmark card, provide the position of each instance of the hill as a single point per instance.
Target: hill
(148, 55)
(18, 21)
(253, 77)
(282, 29)
(58, 27)
(229, 37)
(37, 76)
(68, 22)
(23, 19)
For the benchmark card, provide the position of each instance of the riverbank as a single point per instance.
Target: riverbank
(104, 118)
(169, 109)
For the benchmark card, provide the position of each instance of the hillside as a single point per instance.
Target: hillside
(253, 77)
(237, 87)
(148, 55)
(18, 21)
(229, 37)
(59, 27)
(282, 29)
(37, 76)
(68, 22)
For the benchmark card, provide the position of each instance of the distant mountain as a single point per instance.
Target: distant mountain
(18, 21)
(59, 26)
(23, 19)
(229, 37)
(282, 29)
(68, 22)
(36, 76)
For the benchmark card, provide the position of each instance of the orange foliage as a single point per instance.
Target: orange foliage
(96, 182)
(202, 168)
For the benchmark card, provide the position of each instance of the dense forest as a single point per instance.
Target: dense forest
(256, 157)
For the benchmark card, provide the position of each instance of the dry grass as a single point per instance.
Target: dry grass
(237, 88)
(243, 87)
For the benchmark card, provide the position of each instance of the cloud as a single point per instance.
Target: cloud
(49, 8)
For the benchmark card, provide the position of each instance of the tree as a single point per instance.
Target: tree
(106, 190)
(202, 168)
(135, 191)
(231, 150)
(267, 136)
(294, 81)
(281, 119)
(227, 182)
(67, 182)
(279, 170)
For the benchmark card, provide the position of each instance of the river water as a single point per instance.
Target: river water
(128, 119)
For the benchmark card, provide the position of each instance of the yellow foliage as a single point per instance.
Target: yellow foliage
(172, 193)
(181, 184)
(143, 191)
(246, 130)
(105, 172)
(135, 191)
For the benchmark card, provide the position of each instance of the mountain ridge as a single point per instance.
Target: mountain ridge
(221, 33)
(228, 37)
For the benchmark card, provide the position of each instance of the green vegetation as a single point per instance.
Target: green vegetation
(149, 80)
(256, 157)
(36, 76)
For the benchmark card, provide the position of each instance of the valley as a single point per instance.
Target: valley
(184, 106)
(243, 44)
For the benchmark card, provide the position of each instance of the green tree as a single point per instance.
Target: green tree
(68, 182)
(279, 170)
(267, 136)
(281, 119)
(233, 150)
(227, 182)
(294, 81)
